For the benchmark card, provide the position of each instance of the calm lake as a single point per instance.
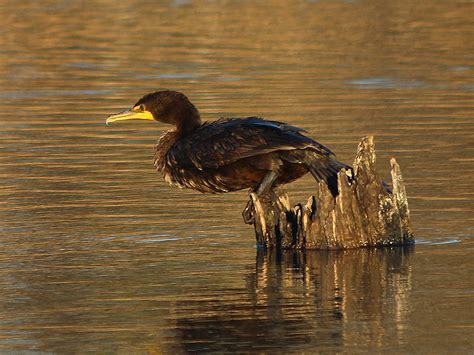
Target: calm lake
(98, 254)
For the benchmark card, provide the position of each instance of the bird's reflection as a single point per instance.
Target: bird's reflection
(328, 299)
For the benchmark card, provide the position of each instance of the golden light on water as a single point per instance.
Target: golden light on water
(99, 254)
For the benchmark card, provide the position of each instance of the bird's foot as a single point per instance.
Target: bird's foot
(387, 187)
(247, 213)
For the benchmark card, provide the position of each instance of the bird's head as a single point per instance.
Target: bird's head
(163, 106)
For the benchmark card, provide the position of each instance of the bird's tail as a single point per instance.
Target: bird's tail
(328, 172)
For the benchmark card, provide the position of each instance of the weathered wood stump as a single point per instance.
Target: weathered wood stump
(365, 213)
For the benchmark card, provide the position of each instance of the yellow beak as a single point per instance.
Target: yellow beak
(130, 115)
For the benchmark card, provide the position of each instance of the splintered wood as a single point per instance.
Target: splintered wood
(365, 213)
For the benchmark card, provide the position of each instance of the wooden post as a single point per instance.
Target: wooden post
(366, 213)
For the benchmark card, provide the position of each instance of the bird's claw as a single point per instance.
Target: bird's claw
(247, 213)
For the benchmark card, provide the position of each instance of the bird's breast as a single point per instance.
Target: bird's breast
(232, 177)
(178, 172)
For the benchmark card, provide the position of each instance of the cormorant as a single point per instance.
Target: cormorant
(231, 153)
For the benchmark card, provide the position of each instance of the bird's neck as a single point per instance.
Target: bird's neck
(188, 123)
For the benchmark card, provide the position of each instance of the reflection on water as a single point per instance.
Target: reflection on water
(99, 254)
(324, 300)
(121, 299)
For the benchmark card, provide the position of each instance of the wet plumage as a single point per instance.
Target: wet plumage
(231, 153)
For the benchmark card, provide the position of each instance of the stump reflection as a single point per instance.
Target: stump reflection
(325, 298)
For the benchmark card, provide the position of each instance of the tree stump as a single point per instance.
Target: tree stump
(365, 213)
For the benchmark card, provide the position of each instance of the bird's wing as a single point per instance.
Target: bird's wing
(227, 140)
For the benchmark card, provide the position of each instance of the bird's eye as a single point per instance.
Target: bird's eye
(141, 107)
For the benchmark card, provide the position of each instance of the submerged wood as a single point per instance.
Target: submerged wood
(366, 213)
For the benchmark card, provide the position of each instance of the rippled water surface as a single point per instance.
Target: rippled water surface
(98, 254)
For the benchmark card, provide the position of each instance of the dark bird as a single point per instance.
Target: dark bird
(230, 154)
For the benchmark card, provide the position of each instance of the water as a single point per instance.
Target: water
(98, 254)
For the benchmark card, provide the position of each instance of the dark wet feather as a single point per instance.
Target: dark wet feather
(227, 140)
